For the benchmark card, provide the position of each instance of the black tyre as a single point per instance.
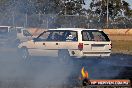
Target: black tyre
(24, 54)
(86, 82)
(16, 43)
(64, 57)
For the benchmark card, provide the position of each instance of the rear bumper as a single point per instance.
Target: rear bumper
(78, 53)
(96, 53)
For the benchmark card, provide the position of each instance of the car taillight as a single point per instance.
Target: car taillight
(111, 45)
(80, 46)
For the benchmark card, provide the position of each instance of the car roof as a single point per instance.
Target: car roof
(73, 29)
(19, 27)
(6, 26)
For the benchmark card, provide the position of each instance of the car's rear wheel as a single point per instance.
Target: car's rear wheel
(64, 57)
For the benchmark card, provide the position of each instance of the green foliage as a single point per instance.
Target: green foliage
(69, 7)
(115, 7)
(3, 1)
(68, 10)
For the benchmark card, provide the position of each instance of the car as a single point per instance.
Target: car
(7, 33)
(23, 34)
(67, 42)
(26, 34)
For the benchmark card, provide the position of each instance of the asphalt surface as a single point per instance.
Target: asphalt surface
(44, 72)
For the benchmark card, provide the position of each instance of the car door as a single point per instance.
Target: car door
(46, 44)
(69, 41)
(26, 35)
(50, 42)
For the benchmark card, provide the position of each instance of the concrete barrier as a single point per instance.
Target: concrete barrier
(118, 31)
(119, 34)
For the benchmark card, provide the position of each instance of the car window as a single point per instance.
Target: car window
(57, 35)
(44, 36)
(94, 35)
(86, 36)
(18, 30)
(26, 33)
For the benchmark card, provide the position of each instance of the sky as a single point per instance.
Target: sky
(130, 3)
(89, 1)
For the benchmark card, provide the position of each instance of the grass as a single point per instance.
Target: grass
(122, 46)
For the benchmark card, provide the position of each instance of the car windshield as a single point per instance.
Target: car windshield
(18, 30)
(26, 33)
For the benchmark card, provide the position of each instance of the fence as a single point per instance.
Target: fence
(56, 21)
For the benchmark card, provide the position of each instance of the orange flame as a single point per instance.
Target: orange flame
(84, 73)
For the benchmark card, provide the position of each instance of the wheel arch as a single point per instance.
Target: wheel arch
(63, 52)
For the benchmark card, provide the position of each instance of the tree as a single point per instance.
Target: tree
(45, 6)
(116, 8)
(69, 7)
(3, 4)
(125, 7)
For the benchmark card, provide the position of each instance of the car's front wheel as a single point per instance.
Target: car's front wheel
(24, 53)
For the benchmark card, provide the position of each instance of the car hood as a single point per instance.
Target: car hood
(26, 44)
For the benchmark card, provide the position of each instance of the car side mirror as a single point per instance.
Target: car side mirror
(35, 39)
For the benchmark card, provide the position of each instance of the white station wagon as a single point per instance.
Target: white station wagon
(63, 42)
